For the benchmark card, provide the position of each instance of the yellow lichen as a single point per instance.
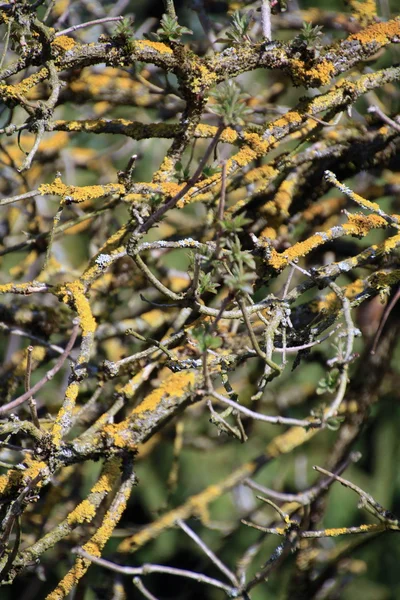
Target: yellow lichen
(109, 476)
(174, 385)
(6, 288)
(331, 302)
(75, 292)
(129, 389)
(316, 76)
(265, 172)
(378, 34)
(228, 136)
(4, 482)
(85, 511)
(358, 225)
(292, 117)
(205, 79)
(64, 42)
(118, 435)
(363, 11)
(362, 224)
(22, 88)
(34, 468)
(72, 193)
(158, 46)
(166, 168)
(285, 443)
(257, 143)
(281, 203)
(388, 245)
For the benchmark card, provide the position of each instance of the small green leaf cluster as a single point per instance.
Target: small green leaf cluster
(124, 32)
(329, 383)
(170, 30)
(205, 338)
(240, 273)
(230, 103)
(311, 35)
(239, 29)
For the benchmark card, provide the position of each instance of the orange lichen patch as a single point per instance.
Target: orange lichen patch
(292, 117)
(102, 535)
(85, 511)
(72, 193)
(363, 11)
(308, 126)
(388, 245)
(204, 79)
(9, 480)
(64, 42)
(265, 172)
(92, 125)
(157, 46)
(358, 225)
(294, 437)
(118, 435)
(363, 224)
(332, 303)
(64, 414)
(343, 530)
(34, 468)
(228, 136)
(257, 143)
(171, 189)
(378, 34)
(174, 385)
(75, 292)
(324, 209)
(194, 505)
(319, 74)
(166, 169)
(254, 147)
(283, 198)
(129, 389)
(22, 88)
(242, 158)
(104, 258)
(70, 580)
(16, 288)
(109, 476)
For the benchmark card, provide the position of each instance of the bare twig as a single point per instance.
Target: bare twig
(49, 375)
(88, 24)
